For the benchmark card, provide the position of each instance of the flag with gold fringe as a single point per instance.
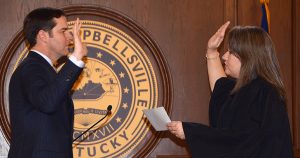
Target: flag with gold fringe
(265, 20)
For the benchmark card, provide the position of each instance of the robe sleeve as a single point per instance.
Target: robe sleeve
(203, 140)
(220, 94)
(270, 139)
(208, 142)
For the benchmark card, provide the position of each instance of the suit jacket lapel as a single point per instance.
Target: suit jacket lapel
(36, 56)
(67, 107)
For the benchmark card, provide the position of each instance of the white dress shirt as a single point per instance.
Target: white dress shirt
(73, 59)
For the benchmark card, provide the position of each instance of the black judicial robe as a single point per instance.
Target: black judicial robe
(251, 123)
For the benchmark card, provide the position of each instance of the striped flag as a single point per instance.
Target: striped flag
(265, 20)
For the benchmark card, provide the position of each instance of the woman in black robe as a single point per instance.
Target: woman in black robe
(247, 113)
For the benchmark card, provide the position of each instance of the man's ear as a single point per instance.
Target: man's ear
(42, 36)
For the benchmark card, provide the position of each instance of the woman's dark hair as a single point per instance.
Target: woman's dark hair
(40, 19)
(254, 47)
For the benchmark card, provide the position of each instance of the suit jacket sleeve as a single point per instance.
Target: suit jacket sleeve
(48, 97)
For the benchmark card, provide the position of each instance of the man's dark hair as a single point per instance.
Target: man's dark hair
(40, 19)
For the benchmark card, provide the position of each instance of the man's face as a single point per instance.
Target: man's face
(59, 38)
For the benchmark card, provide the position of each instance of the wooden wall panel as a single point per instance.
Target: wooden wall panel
(296, 75)
(183, 38)
(181, 28)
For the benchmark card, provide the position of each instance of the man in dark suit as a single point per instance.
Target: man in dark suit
(41, 109)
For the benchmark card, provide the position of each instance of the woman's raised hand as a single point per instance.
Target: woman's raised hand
(215, 40)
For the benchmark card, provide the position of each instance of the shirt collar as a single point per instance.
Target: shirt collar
(44, 56)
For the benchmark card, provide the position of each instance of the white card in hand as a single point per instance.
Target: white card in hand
(158, 118)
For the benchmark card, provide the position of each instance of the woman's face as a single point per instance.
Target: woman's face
(232, 64)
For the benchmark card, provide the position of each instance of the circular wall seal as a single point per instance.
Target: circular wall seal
(124, 68)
